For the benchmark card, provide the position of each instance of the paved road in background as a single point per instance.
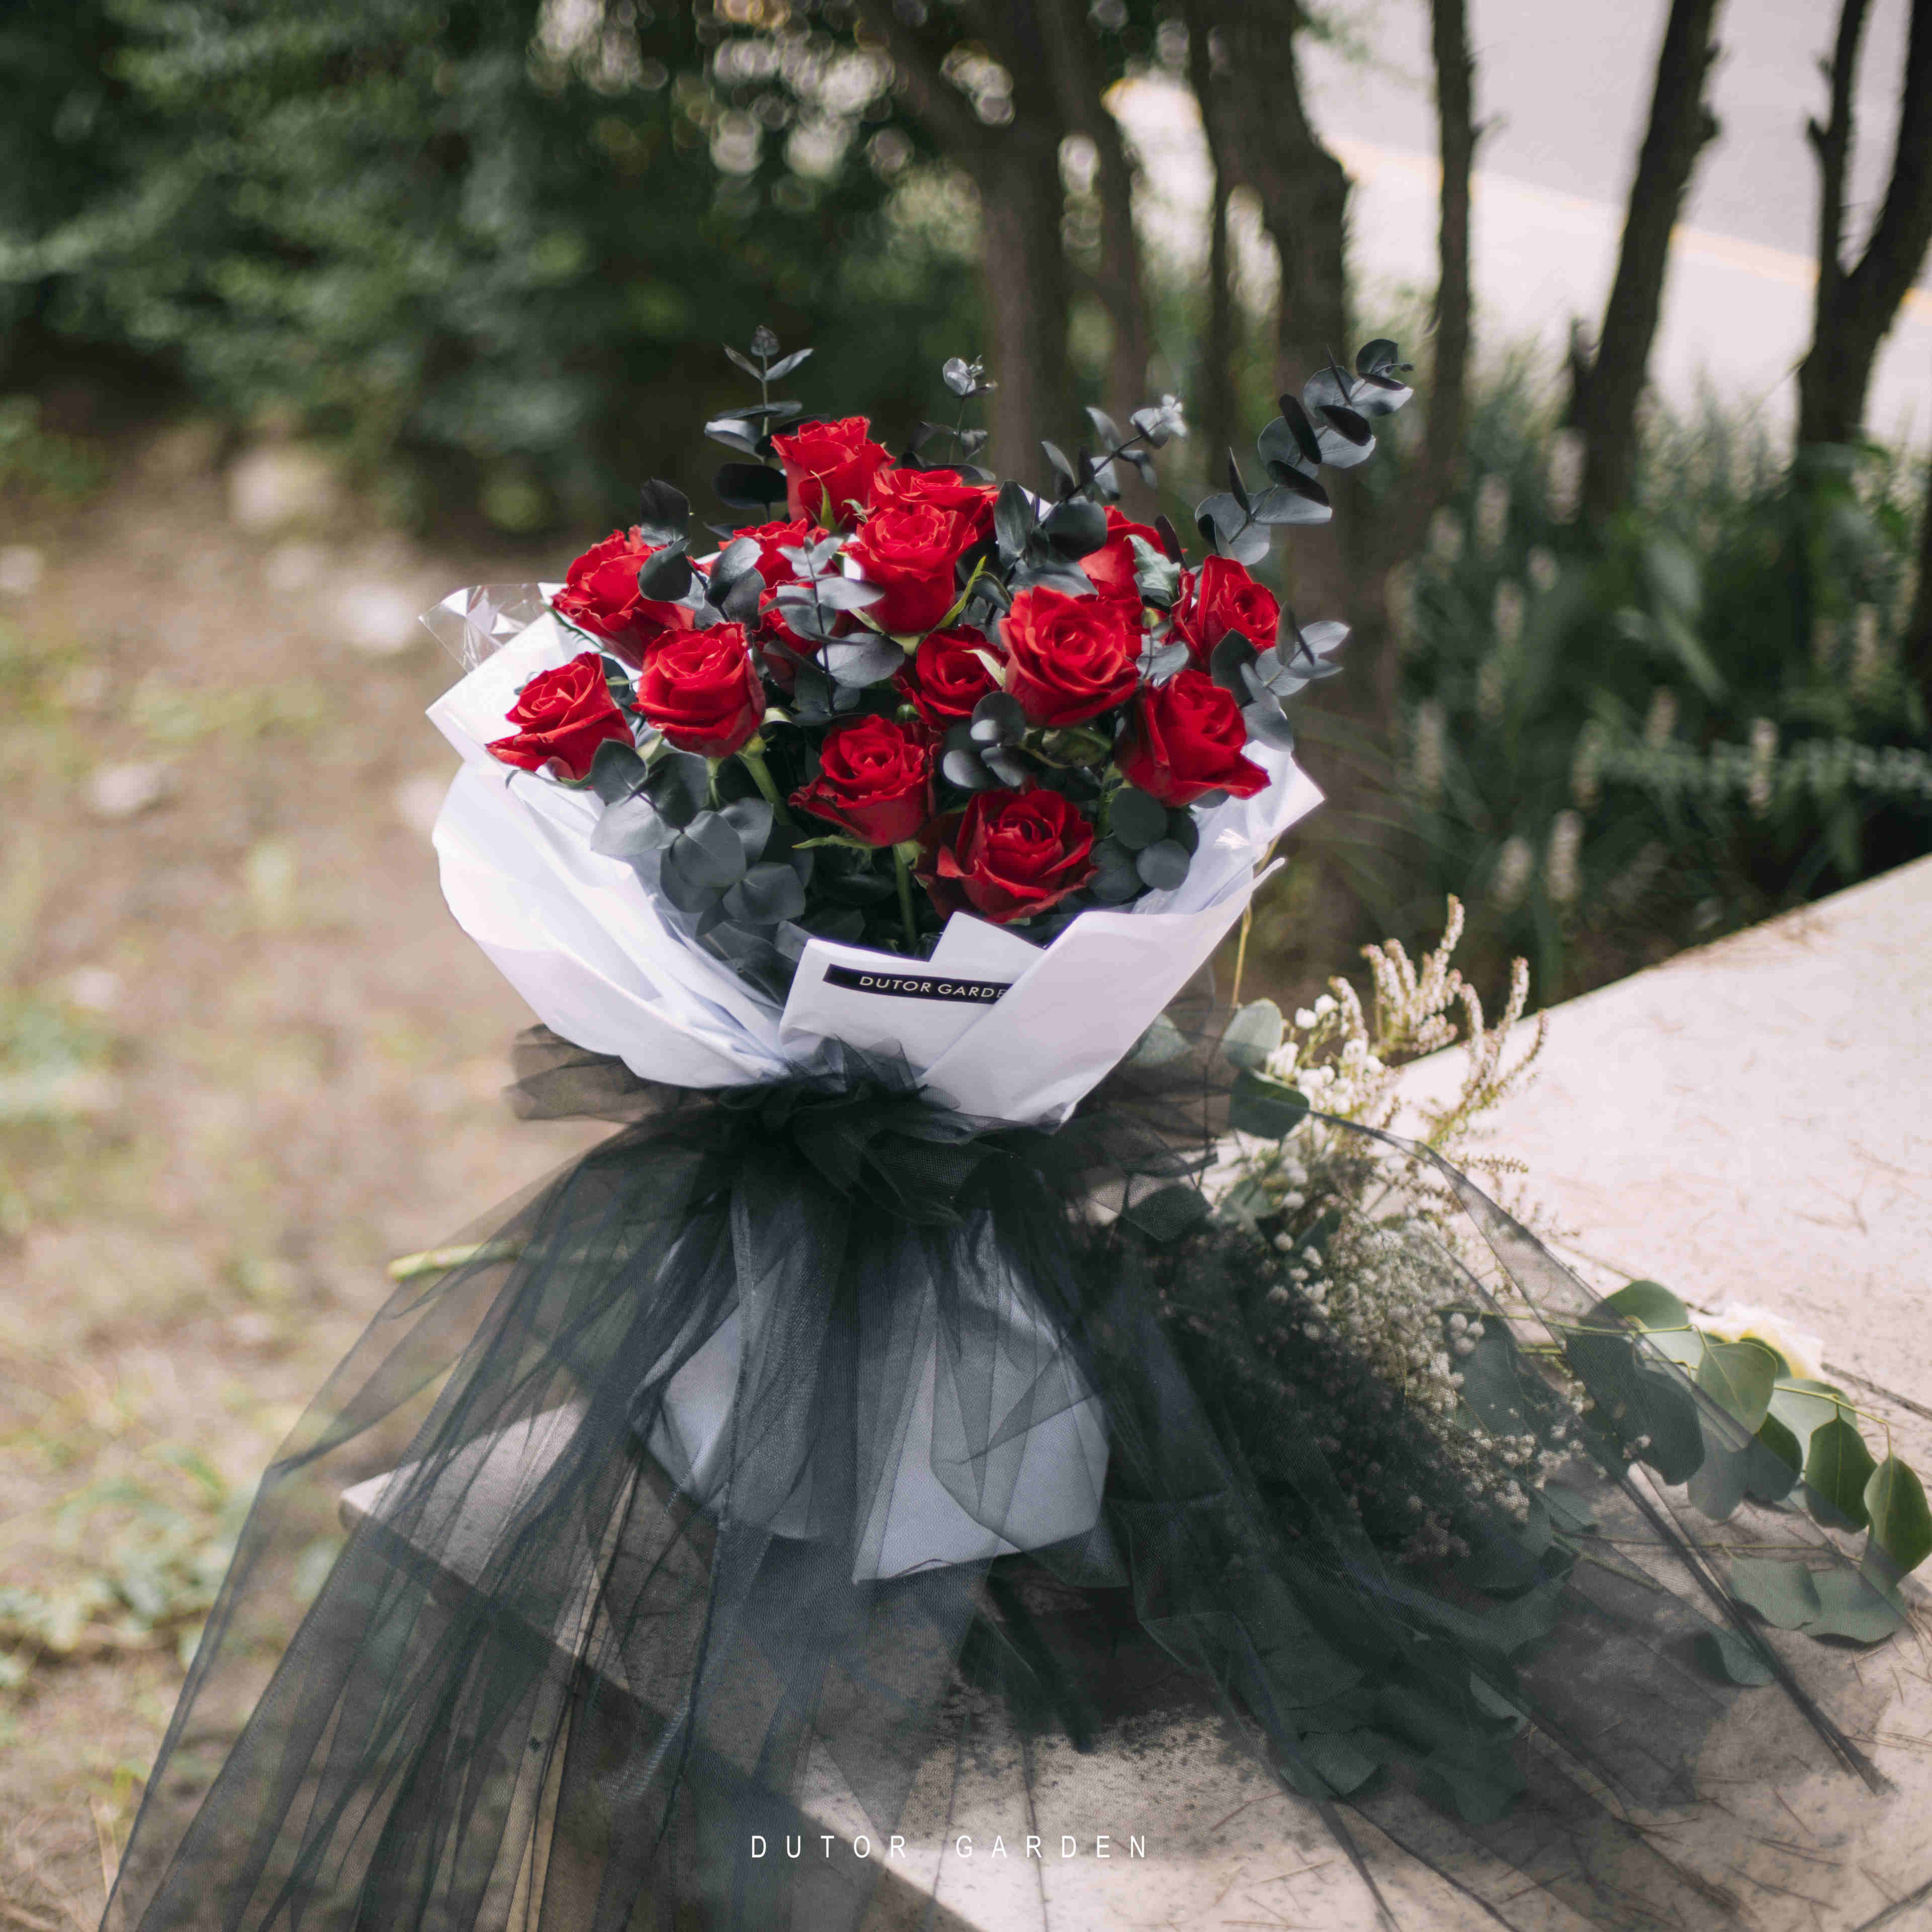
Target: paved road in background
(1566, 88)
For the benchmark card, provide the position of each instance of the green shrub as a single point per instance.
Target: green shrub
(1618, 743)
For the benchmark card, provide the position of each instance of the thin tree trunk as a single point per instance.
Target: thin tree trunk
(1016, 170)
(1303, 193)
(1855, 307)
(1607, 387)
(1447, 407)
(1077, 81)
(1027, 287)
(1216, 409)
(1917, 651)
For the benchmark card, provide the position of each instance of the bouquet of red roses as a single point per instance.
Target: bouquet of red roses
(919, 690)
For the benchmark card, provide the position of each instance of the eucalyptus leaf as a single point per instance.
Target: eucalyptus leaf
(679, 783)
(1729, 1658)
(1162, 1044)
(1269, 1109)
(710, 851)
(1136, 820)
(1013, 520)
(749, 486)
(1253, 1033)
(1076, 528)
(1782, 1592)
(766, 894)
(1168, 1212)
(751, 818)
(666, 575)
(1901, 1525)
(1282, 506)
(785, 364)
(1738, 1377)
(1851, 1607)
(664, 513)
(617, 771)
(1163, 865)
(1837, 1466)
(856, 662)
(1649, 1304)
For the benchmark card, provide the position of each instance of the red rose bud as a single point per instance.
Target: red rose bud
(702, 691)
(1111, 568)
(1185, 737)
(909, 554)
(943, 489)
(1009, 855)
(874, 781)
(828, 467)
(1072, 658)
(1220, 597)
(562, 715)
(601, 595)
(947, 675)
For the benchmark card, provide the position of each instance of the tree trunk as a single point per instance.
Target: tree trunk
(1027, 287)
(1607, 387)
(1447, 408)
(1015, 169)
(1079, 86)
(1216, 410)
(1917, 651)
(1855, 307)
(1303, 192)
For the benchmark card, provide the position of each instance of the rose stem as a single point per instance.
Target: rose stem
(904, 872)
(761, 777)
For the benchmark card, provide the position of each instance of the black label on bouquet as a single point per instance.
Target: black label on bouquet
(916, 985)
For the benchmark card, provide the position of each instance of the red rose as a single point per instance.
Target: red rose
(828, 465)
(1111, 566)
(1221, 598)
(1073, 657)
(874, 781)
(562, 715)
(910, 555)
(1185, 737)
(772, 540)
(947, 675)
(702, 691)
(601, 595)
(944, 489)
(1008, 855)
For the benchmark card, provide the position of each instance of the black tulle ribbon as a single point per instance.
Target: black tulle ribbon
(615, 1600)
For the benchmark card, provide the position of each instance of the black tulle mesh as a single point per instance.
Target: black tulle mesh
(571, 1662)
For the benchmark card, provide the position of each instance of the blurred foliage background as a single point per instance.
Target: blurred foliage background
(1622, 682)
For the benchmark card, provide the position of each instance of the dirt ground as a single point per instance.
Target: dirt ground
(246, 1058)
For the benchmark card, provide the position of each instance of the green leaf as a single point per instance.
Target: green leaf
(1837, 1465)
(1267, 1108)
(1634, 1401)
(1162, 1042)
(1784, 1594)
(1168, 1213)
(1802, 1405)
(1725, 1656)
(1136, 820)
(1850, 1606)
(1773, 1463)
(1901, 1525)
(1738, 1377)
(1252, 1034)
(1650, 1305)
